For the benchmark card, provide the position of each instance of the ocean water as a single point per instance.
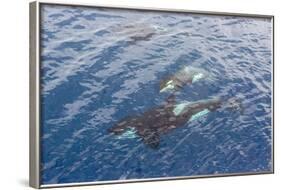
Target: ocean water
(99, 66)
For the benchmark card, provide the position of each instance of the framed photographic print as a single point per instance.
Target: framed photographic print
(130, 94)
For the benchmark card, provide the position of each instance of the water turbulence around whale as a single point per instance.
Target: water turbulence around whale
(128, 134)
(197, 77)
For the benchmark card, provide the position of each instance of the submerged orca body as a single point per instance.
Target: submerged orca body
(133, 33)
(160, 120)
(186, 75)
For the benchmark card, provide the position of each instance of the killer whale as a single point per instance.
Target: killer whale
(160, 120)
(186, 75)
(139, 31)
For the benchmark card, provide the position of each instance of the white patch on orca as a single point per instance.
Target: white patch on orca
(169, 85)
(128, 134)
(197, 77)
(179, 108)
(199, 114)
(170, 82)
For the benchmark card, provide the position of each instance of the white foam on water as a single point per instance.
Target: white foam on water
(197, 77)
(186, 69)
(129, 134)
(159, 28)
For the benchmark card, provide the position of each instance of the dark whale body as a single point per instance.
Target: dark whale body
(136, 32)
(160, 120)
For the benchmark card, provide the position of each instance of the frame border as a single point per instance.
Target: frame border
(34, 92)
(34, 95)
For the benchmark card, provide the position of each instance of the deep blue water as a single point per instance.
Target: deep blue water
(96, 69)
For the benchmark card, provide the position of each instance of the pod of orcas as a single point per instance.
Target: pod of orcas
(157, 121)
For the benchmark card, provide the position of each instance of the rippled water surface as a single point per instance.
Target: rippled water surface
(99, 66)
